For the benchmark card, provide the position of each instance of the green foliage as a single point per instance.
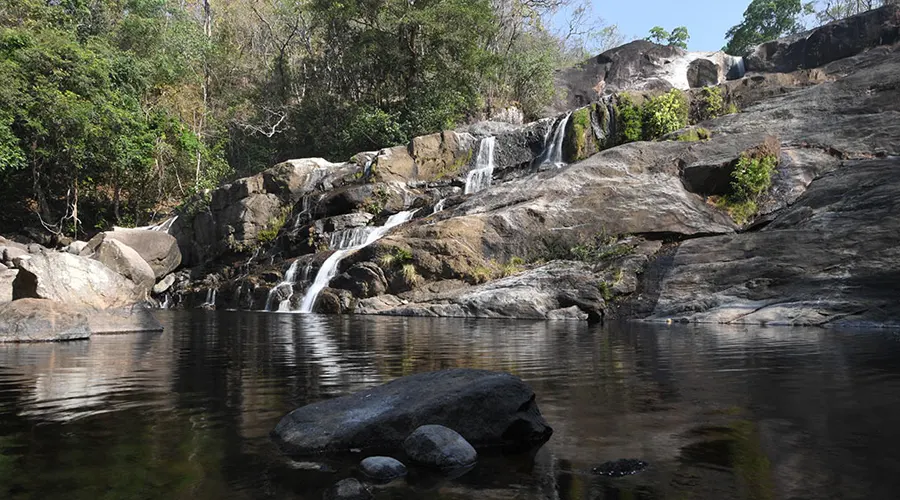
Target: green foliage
(605, 290)
(375, 203)
(410, 275)
(593, 248)
(712, 104)
(678, 37)
(272, 229)
(750, 180)
(395, 257)
(493, 270)
(694, 134)
(664, 114)
(581, 129)
(732, 109)
(628, 120)
(766, 20)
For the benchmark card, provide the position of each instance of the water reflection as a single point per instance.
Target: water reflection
(718, 412)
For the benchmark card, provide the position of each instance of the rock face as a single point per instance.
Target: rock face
(157, 248)
(486, 408)
(834, 41)
(122, 259)
(134, 318)
(642, 65)
(37, 320)
(63, 277)
(831, 258)
(438, 446)
(7, 277)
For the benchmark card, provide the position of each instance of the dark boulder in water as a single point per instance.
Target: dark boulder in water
(439, 446)
(487, 408)
(620, 468)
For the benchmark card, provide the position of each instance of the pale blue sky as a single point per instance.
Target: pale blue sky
(706, 20)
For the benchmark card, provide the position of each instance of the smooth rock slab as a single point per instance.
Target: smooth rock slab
(438, 446)
(38, 320)
(382, 468)
(347, 489)
(486, 408)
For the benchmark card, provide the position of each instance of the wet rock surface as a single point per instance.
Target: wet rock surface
(382, 469)
(486, 408)
(440, 447)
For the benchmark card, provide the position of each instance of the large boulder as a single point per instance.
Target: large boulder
(68, 278)
(122, 259)
(130, 319)
(486, 408)
(38, 320)
(831, 42)
(157, 248)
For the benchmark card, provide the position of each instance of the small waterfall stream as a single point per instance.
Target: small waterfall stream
(479, 178)
(330, 266)
(439, 206)
(290, 277)
(554, 148)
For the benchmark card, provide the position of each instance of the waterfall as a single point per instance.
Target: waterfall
(439, 206)
(479, 177)
(330, 266)
(289, 277)
(347, 238)
(554, 149)
(210, 299)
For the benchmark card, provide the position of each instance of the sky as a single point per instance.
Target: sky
(706, 20)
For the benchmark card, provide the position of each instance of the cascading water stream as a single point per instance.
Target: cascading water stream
(554, 148)
(479, 178)
(439, 206)
(330, 267)
(290, 277)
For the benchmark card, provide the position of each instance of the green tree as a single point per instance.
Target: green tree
(766, 20)
(678, 37)
(832, 10)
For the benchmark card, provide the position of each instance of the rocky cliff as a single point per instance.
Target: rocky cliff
(563, 219)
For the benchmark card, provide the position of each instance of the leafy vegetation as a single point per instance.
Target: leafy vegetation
(712, 104)
(678, 37)
(112, 111)
(268, 235)
(581, 132)
(590, 248)
(751, 179)
(664, 114)
(628, 120)
(766, 20)
(694, 134)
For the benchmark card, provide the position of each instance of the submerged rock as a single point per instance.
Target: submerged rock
(438, 446)
(39, 320)
(620, 468)
(486, 408)
(383, 469)
(347, 489)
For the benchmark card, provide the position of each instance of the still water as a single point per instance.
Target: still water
(718, 412)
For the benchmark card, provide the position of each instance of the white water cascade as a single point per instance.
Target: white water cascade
(210, 299)
(439, 206)
(479, 177)
(554, 148)
(330, 266)
(290, 277)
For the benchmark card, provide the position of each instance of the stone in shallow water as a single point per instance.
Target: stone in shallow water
(38, 320)
(382, 468)
(439, 446)
(621, 467)
(486, 408)
(347, 489)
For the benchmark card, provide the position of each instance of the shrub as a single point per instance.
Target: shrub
(272, 229)
(628, 120)
(694, 134)
(581, 129)
(732, 109)
(410, 276)
(664, 114)
(751, 178)
(712, 104)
